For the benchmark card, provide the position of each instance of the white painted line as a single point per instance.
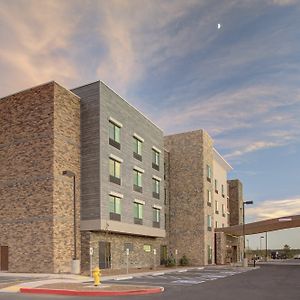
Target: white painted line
(158, 274)
(182, 271)
(200, 268)
(123, 278)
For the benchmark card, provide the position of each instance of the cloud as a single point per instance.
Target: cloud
(37, 37)
(284, 2)
(274, 209)
(252, 148)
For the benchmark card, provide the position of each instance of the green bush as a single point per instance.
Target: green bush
(184, 261)
(170, 262)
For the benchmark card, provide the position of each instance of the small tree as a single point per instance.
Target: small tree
(287, 250)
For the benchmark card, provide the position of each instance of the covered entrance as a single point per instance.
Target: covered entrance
(3, 258)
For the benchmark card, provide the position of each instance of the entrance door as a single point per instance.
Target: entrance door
(163, 254)
(3, 258)
(104, 255)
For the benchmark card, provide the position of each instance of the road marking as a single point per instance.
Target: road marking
(123, 278)
(182, 271)
(188, 281)
(158, 274)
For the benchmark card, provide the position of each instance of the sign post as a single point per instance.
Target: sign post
(91, 261)
(127, 262)
(154, 258)
(176, 253)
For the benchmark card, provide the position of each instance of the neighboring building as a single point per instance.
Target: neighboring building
(221, 196)
(122, 181)
(39, 139)
(137, 193)
(198, 195)
(229, 247)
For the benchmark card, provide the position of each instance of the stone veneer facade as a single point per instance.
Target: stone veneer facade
(39, 138)
(189, 154)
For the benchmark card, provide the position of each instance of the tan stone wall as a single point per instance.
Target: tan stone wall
(26, 160)
(39, 138)
(66, 157)
(189, 153)
(138, 258)
(235, 193)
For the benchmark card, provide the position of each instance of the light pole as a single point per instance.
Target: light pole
(75, 261)
(266, 246)
(260, 238)
(245, 262)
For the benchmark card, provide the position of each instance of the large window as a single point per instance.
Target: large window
(114, 134)
(156, 217)
(155, 159)
(216, 186)
(137, 181)
(223, 191)
(156, 188)
(137, 148)
(209, 224)
(208, 173)
(138, 213)
(208, 197)
(223, 210)
(114, 171)
(115, 208)
(217, 207)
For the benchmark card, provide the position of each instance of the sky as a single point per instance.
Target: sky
(169, 59)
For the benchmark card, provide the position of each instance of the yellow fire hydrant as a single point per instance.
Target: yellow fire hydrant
(97, 276)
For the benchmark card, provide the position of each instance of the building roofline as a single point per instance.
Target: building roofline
(101, 81)
(36, 86)
(185, 132)
(132, 106)
(221, 159)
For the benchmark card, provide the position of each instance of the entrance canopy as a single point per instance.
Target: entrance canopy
(262, 226)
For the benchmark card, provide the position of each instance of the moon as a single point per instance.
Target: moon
(219, 26)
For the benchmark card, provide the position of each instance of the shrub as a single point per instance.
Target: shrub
(184, 261)
(170, 262)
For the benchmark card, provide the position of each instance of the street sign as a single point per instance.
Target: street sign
(127, 251)
(154, 251)
(176, 251)
(91, 251)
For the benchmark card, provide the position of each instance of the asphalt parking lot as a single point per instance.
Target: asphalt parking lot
(181, 278)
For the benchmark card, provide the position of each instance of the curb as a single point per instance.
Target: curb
(90, 293)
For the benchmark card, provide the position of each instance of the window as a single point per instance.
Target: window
(114, 171)
(217, 207)
(147, 248)
(165, 199)
(115, 208)
(137, 181)
(155, 159)
(223, 210)
(114, 135)
(216, 186)
(208, 173)
(208, 197)
(209, 224)
(137, 148)
(223, 191)
(216, 224)
(138, 213)
(156, 188)
(156, 217)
